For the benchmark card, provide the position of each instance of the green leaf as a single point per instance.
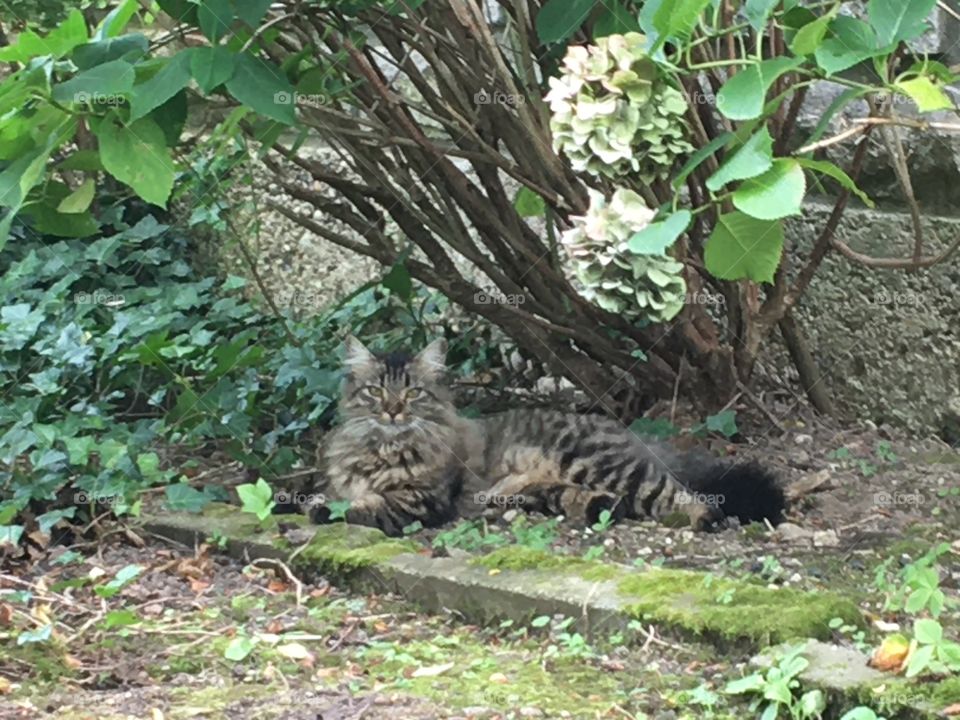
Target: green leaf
(540, 621)
(758, 12)
(742, 247)
(851, 41)
(398, 282)
(59, 42)
(559, 19)
(928, 95)
(809, 38)
(238, 648)
(137, 155)
(116, 20)
(104, 83)
(927, 632)
(256, 498)
(263, 87)
(182, 497)
(124, 577)
(899, 20)
(748, 684)
(252, 11)
(129, 48)
(10, 534)
(615, 19)
(215, 17)
(775, 194)
(87, 160)
(41, 634)
(721, 141)
(528, 203)
(754, 158)
(120, 618)
(742, 96)
(678, 18)
(657, 237)
(173, 77)
(724, 423)
(79, 200)
(211, 67)
(831, 170)
(919, 660)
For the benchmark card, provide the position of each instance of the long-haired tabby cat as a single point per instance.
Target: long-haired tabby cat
(402, 454)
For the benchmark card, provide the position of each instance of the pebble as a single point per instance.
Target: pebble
(478, 711)
(826, 538)
(796, 577)
(803, 439)
(609, 542)
(789, 532)
(510, 515)
(531, 712)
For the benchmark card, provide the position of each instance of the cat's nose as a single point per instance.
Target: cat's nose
(394, 410)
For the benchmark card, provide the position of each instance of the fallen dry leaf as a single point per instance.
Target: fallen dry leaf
(71, 662)
(891, 654)
(809, 483)
(499, 679)
(951, 710)
(6, 614)
(198, 586)
(294, 651)
(5, 686)
(277, 586)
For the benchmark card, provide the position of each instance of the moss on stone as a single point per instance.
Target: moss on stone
(343, 549)
(733, 610)
(936, 694)
(520, 557)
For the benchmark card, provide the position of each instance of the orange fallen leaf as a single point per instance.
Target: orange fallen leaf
(499, 679)
(198, 586)
(5, 686)
(951, 710)
(277, 586)
(275, 627)
(6, 614)
(891, 654)
(71, 662)
(320, 592)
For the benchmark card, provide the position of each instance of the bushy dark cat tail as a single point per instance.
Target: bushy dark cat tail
(747, 491)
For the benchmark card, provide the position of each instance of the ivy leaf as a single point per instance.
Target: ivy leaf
(657, 237)
(136, 154)
(124, 577)
(10, 534)
(742, 247)
(925, 93)
(39, 635)
(79, 200)
(559, 19)
(724, 423)
(528, 203)
(775, 194)
(828, 168)
(754, 158)
(742, 96)
(264, 87)
(257, 498)
(181, 496)
(896, 20)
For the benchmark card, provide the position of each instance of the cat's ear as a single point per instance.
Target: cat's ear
(356, 358)
(431, 361)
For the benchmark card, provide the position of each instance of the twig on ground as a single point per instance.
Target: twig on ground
(274, 563)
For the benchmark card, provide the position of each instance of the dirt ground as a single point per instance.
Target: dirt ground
(188, 633)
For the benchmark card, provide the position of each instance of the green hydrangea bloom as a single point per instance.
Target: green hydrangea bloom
(609, 273)
(613, 114)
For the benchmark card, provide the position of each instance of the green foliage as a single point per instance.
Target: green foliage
(602, 100)
(777, 689)
(257, 498)
(115, 347)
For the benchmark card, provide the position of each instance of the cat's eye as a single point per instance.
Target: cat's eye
(413, 393)
(374, 391)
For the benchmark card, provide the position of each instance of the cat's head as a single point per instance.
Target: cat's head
(395, 390)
